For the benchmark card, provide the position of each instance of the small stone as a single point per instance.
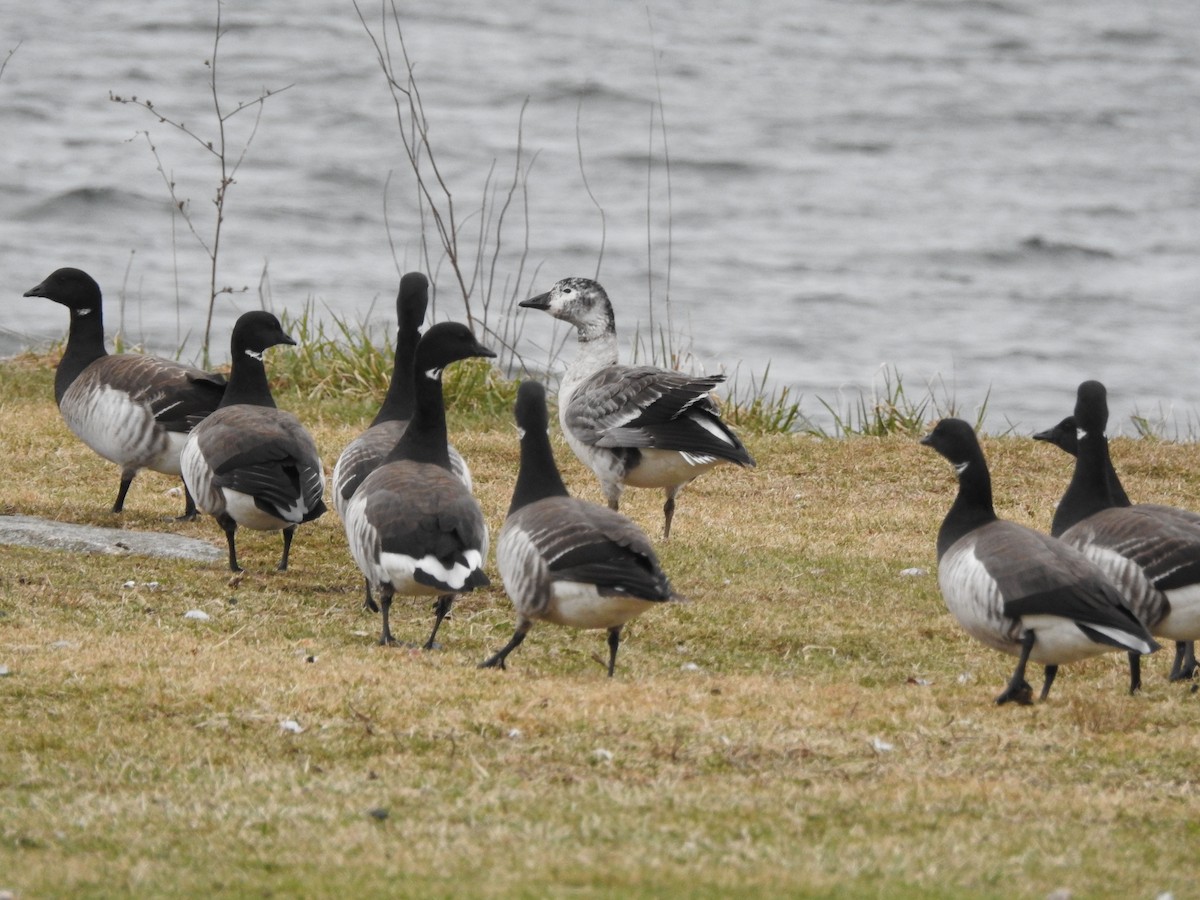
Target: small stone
(379, 814)
(914, 572)
(602, 755)
(198, 614)
(291, 726)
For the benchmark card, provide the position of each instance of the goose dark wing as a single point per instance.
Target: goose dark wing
(590, 544)
(642, 406)
(266, 454)
(1041, 575)
(179, 396)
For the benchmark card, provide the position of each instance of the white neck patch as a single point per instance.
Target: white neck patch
(959, 468)
(83, 312)
(433, 374)
(255, 354)
(1080, 434)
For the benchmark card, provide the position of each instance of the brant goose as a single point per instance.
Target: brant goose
(564, 560)
(249, 463)
(412, 526)
(1015, 589)
(131, 409)
(1150, 552)
(364, 454)
(633, 425)
(1065, 437)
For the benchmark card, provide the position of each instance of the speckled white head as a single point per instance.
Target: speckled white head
(580, 301)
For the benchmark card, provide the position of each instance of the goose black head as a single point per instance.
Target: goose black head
(255, 331)
(73, 288)
(1091, 408)
(448, 342)
(530, 408)
(412, 300)
(1063, 436)
(955, 440)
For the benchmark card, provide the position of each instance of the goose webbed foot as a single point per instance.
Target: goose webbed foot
(1018, 692)
(369, 603)
(190, 513)
(496, 661)
(1184, 666)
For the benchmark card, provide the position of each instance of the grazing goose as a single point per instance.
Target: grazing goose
(364, 454)
(563, 560)
(413, 527)
(1015, 589)
(249, 463)
(1150, 552)
(131, 409)
(633, 425)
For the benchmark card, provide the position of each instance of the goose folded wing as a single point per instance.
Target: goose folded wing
(613, 555)
(179, 396)
(1040, 575)
(280, 470)
(624, 406)
(1166, 548)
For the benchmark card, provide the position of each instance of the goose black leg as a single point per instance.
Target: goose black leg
(1051, 671)
(668, 515)
(497, 660)
(614, 641)
(288, 534)
(385, 606)
(1018, 689)
(1184, 666)
(230, 528)
(126, 481)
(369, 601)
(440, 609)
(189, 507)
(1135, 672)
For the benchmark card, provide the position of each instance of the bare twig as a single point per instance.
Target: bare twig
(227, 164)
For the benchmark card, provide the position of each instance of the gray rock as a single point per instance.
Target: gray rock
(27, 531)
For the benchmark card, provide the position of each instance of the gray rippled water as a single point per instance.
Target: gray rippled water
(1001, 197)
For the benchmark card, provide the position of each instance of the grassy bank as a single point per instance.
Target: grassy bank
(812, 723)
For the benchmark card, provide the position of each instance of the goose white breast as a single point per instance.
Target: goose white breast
(133, 410)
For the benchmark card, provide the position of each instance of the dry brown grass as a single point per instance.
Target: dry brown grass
(812, 723)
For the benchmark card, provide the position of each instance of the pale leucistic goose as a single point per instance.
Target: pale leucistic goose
(564, 560)
(1149, 551)
(133, 410)
(633, 425)
(1018, 590)
(249, 463)
(413, 527)
(364, 454)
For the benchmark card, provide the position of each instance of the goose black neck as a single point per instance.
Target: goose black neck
(972, 508)
(538, 476)
(1089, 492)
(400, 399)
(85, 345)
(248, 381)
(424, 439)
